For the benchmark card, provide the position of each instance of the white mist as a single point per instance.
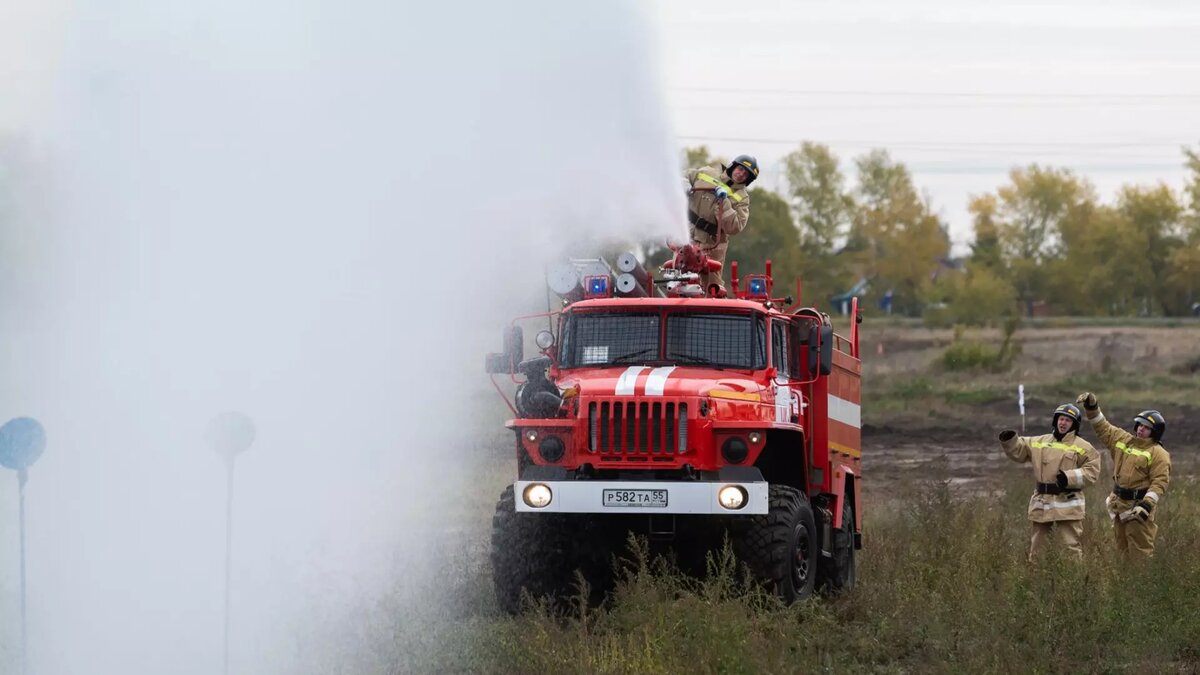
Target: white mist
(318, 214)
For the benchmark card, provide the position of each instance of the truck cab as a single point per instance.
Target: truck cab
(678, 416)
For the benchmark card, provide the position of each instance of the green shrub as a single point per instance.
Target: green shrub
(912, 387)
(970, 356)
(938, 315)
(978, 298)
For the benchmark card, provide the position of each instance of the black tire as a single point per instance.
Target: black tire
(530, 552)
(781, 547)
(840, 572)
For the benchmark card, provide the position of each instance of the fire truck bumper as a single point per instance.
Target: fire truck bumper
(720, 497)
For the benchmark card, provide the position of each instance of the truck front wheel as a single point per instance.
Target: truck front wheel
(781, 548)
(530, 552)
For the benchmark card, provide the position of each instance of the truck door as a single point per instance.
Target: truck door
(787, 405)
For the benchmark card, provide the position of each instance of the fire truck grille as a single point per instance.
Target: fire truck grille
(637, 430)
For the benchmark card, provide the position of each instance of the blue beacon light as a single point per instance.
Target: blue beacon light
(597, 286)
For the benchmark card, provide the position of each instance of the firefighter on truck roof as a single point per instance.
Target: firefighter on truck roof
(1141, 472)
(1063, 464)
(718, 208)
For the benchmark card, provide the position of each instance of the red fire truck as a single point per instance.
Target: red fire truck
(659, 409)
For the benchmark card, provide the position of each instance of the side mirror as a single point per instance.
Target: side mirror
(513, 354)
(820, 348)
(514, 344)
(826, 349)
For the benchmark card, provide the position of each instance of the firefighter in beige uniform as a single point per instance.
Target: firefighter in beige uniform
(1063, 464)
(1141, 472)
(718, 208)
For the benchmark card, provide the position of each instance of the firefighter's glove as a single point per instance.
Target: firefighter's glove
(1145, 506)
(1061, 480)
(1088, 401)
(720, 194)
(1007, 435)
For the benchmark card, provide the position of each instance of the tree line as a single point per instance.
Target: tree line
(1044, 242)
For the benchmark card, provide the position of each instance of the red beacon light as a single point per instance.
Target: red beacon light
(597, 287)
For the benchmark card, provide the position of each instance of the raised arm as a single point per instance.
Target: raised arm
(1107, 433)
(1016, 447)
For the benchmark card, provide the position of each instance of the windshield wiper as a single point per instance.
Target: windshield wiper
(692, 359)
(632, 355)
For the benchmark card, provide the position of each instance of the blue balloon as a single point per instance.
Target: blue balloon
(22, 441)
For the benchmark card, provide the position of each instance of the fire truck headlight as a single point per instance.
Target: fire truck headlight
(732, 497)
(544, 339)
(531, 435)
(552, 448)
(755, 437)
(537, 495)
(735, 450)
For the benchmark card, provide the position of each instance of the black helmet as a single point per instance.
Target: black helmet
(748, 163)
(1069, 410)
(1152, 419)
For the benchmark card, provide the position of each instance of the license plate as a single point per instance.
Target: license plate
(620, 498)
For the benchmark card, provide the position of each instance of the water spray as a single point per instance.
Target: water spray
(22, 441)
(229, 434)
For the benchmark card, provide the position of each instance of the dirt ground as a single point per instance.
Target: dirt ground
(957, 443)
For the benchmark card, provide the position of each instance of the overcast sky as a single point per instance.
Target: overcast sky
(960, 91)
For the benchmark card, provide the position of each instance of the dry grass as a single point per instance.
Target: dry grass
(943, 588)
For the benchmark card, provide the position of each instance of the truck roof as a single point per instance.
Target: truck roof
(694, 303)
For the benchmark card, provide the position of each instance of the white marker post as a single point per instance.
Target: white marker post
(229, 434)
(1021, 404)
(22, 441)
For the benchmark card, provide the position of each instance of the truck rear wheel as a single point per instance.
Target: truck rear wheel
(530, 552)
(781, 548)
(840, 571)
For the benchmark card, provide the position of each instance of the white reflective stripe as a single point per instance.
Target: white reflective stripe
(1075, 477)
(846, 412)
(628, 379)
(1152, 496)
(1099, 416)
(1063, 505)
(657, 380)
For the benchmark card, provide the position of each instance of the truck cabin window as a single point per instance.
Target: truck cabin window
(712, 339)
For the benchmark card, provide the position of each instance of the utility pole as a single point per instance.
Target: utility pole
(22, 441)
(229, 434)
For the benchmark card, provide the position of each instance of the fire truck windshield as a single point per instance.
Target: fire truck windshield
(712, 339)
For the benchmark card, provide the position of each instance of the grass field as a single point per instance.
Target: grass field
(943, 587)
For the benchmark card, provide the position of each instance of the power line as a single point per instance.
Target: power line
(967, 105)
(949, 145)
(943, 94)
